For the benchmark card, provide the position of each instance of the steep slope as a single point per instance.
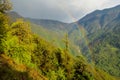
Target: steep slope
(103, 28)
(99, 22)
(10, 70)
(25, 56)
(106, 50)
(100, 19)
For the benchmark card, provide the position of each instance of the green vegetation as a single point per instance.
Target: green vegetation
(103, 27)
(26, 56)
(23, 55)
(55, 37)
(106, 49)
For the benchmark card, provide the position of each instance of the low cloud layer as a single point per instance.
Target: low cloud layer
(62, 10)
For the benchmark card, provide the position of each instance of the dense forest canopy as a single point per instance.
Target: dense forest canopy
(25, 55)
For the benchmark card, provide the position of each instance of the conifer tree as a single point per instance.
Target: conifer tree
(66, 41)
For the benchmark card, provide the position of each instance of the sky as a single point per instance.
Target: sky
(61, 10)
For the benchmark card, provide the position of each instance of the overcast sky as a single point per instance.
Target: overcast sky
(62, 10)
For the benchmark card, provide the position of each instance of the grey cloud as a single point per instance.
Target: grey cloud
(62, 10)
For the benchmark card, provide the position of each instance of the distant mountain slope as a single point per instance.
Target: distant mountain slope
(54, 31)
(103, 28)
(14, 15)
(100, 19)
(49, 24)
(59, 27)
(106, 50)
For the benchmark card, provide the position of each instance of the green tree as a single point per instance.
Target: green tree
(4, 27)
(22, 30)
(66, 41)
(5, 5)
(3, 24)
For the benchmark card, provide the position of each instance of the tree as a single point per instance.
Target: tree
(5, 6)
(3, 30)
(3, 25)
(22, 30)
(66, 41)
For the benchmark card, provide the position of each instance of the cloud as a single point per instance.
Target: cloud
(62, 10)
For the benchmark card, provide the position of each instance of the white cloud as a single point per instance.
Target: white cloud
(63, 10)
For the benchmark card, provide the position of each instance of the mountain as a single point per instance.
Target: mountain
(100, 19)
(55, 31)
(103, 27)
(96, 36)
(99, 22)
(106, 51)
(27, 56)
(49, 24)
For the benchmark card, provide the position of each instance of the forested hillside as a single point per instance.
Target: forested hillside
(103, 27)
(26, 56)
(106, 50)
